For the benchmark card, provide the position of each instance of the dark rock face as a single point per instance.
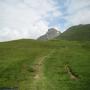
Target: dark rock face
(51, 34)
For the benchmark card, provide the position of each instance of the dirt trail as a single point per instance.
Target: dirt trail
(39, 70)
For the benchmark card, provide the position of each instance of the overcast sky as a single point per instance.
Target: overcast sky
(32, 18)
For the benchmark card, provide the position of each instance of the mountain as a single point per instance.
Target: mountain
(76, 33)
(51, 34)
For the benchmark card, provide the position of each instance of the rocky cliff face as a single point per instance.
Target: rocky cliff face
(51, 34)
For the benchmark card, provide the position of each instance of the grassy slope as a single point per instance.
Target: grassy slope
(80, 33)
(16, 62)
(19, 64)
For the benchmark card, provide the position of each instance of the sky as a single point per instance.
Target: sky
(29, 19)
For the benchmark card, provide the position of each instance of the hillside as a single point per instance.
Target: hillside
(51, 34)
(77, 33)
(44, 65)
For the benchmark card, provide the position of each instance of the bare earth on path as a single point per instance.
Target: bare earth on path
(39, 75)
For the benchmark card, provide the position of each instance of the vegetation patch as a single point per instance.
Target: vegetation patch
(45, 65)
(72, 75)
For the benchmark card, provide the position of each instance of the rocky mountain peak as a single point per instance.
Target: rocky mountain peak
(51, 34)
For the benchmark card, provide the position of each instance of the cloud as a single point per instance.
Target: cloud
(32, 18)
(25, 18)
(77, 12)
(5, 34)
(82, 17)
(77, 5)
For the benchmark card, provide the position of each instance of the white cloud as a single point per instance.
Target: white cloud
(57, 13)
(76, 5)
(30, 18)
(5, 34)
(79, 12)
(82, 17)
(24, 18)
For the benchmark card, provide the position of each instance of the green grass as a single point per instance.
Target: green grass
(78, 59)
(19, 58)
(76, 33)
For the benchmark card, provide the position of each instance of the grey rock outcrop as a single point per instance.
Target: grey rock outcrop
(51, 34)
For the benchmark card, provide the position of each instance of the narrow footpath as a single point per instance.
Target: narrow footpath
(39, 75)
